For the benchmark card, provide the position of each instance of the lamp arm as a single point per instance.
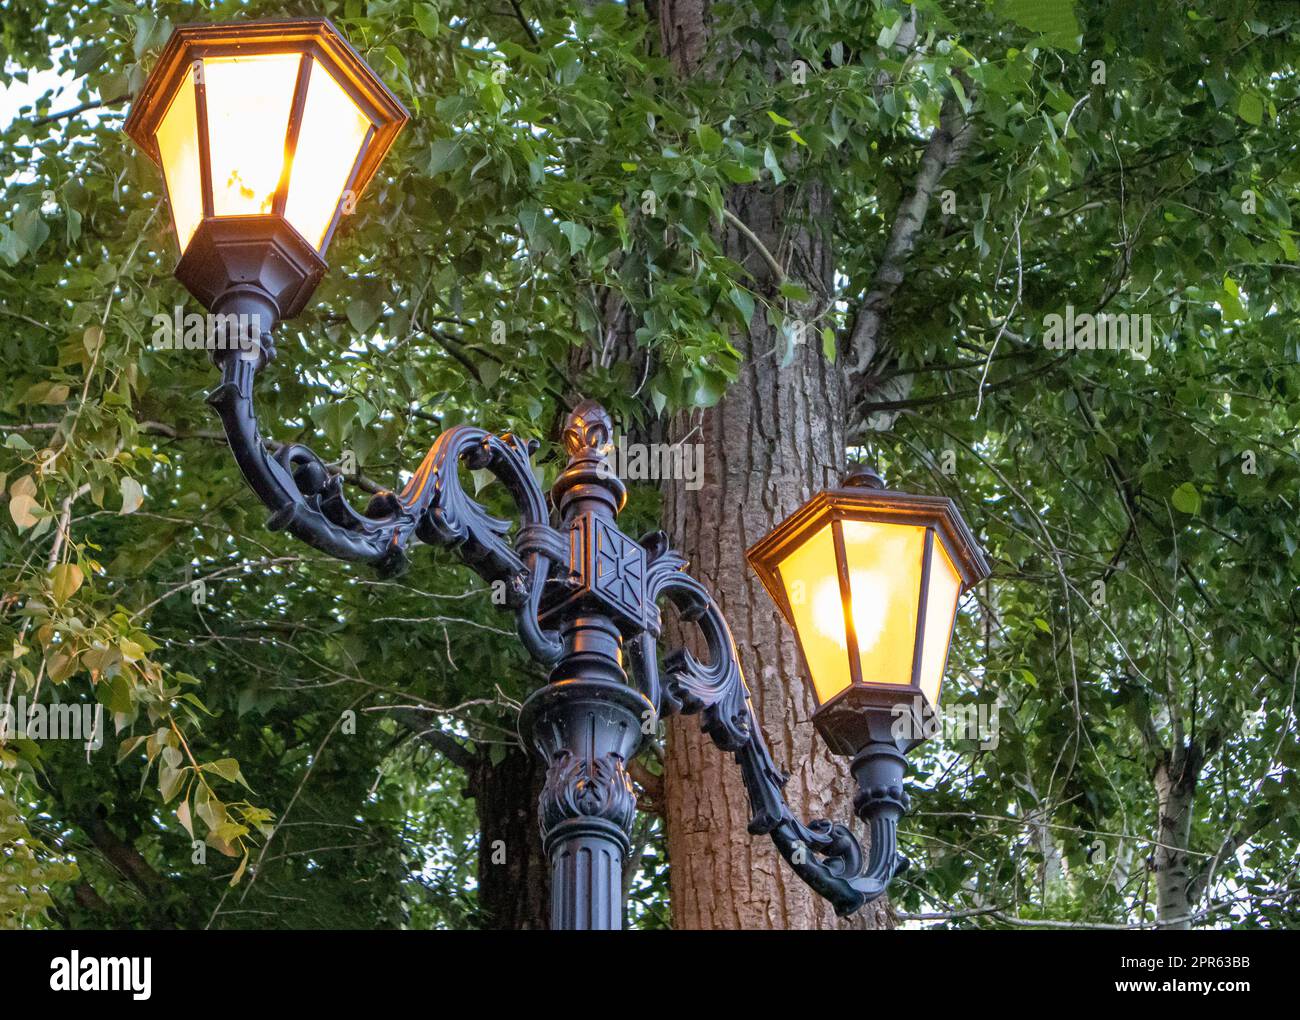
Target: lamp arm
(307, 500)
(825, 855)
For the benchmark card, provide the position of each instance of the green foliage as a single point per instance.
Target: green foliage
(559, 179)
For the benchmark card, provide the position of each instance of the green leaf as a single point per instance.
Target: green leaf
(169, 781)
(1053, 19)
(227, 769)
(828, 344)
(183, 814)
(239, 871)
(445, 155)
(1230, 300)
(426, 20)
(362, 314)
(738, 173)
(22, 508)
(67, 578)
(576, 234)
(710, 385)
(132, 495)
(744, 302)
(773, 165)
(1250, 108)
(91, 58)
(1186, 498)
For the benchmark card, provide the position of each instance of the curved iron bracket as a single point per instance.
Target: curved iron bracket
(825, 855)
(307, 500)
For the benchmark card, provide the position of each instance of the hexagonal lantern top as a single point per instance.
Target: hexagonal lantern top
(263, 129)
(869, 579)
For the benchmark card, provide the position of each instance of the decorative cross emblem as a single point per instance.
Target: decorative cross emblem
(620, 567)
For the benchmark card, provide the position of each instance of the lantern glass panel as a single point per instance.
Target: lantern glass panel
(940, 612)
(178, 149)
(812, 588)
(884, 563)
(329, 141)
(248, 104)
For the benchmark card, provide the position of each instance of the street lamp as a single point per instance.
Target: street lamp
(869, 579)
(266, 133)
(230, 114)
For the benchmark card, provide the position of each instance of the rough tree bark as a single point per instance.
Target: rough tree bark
(774, 440)
(514, 881)
(1175, 778)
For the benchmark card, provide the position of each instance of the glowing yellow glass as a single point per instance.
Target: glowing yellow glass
(885, 584)
(333, 130)
(884, 566)
(249, 99)
(178, 148)
(940, 611)
(812, 588)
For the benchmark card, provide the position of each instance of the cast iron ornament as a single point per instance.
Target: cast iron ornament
(584, 574)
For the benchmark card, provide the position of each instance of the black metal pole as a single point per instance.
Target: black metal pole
(880, 769)
(586, 723)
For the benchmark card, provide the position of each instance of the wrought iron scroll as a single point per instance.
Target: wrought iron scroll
(306, 498)
(825, 855)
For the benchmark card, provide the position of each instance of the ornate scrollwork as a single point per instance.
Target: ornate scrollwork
(307, 499)
(578, 787)
(716, 688)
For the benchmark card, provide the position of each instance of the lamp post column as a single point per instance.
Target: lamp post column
(587, 726)
(586, 723)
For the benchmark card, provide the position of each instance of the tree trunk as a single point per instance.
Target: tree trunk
(773, 441)
(1175, 780)
(514, 881)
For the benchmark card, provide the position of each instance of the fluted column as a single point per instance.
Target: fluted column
(587, 729)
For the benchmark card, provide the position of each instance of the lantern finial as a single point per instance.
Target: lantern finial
(862, 476)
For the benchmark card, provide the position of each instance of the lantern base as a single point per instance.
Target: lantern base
(251, 252)
(899, 716)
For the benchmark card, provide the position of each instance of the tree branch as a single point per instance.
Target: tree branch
(94, 104)
(945, 398)
(444, 743)
(945, 149)
(756, 244)
(519, 15)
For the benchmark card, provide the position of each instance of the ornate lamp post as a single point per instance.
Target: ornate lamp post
(253, 219)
